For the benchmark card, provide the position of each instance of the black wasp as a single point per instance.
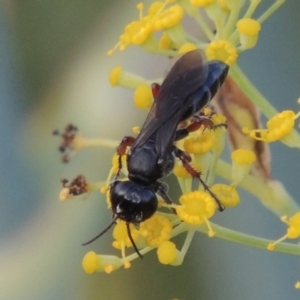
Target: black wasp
(188, 88)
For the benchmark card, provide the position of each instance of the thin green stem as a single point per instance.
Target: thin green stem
(249, 240)
(270, 11)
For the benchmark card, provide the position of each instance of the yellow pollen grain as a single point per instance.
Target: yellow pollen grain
(104, 190)
(127, 264)
(166, 252)
(222, 50)
(226, 194)
(187, 47)
(181, 172)
(248, 26)
(90, 262)
(165, 42)
(168, 18)
(143, 96)
(114, 75)
(243, 156)
(200, 145)
(109, 269)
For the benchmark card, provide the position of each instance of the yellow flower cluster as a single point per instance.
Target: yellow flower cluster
(161, 31)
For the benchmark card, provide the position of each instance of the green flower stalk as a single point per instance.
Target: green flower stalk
(160, 31)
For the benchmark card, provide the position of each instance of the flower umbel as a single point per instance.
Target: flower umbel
(199, 139)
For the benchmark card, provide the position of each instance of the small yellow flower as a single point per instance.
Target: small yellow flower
(243, 157)
(158, 229)
(167, 253)
(242, 160)
(158, 18)
(278, 128)
(196, 207)
(121, 237)
(226, 194)
(100, 263)
(187, 47)
(222, 50)
(143, 96)
(168, 18)
(248, 29)
(293, 231)
(201, 144)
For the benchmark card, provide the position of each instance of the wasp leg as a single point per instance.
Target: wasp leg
(199, 120)
(186, 159)
(161, 188)
(127, 141)
(155, 87)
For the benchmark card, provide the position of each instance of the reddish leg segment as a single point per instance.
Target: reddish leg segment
(186, 159)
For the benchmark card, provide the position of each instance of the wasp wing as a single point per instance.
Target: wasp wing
(186, 76)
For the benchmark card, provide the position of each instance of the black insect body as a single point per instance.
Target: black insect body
(188, 88)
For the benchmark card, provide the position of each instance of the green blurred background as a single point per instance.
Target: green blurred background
(53, 70)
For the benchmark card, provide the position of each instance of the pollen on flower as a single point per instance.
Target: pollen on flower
(104, 190)
(143, 96)
(165, 41)
(136, 129)
(242, 160)
(243, 156)
(187, 47)
(115, 75)
(226, 194)
(158, 229)
(201, 3)
(201, 144)
(222, 50)
(181, 172)
(168, 18)
(248, 26)
(278, 127)
(90, 262)
(100, 263)
(115, 162)
(121, 236)
(167, 252)
(248, 29)
(196, 207)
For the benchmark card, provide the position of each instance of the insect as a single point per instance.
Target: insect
(187, 88)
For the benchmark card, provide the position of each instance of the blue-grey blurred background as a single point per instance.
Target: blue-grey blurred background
(53, 70)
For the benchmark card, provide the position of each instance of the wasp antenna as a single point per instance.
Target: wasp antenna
(132, 241)
(102, 232)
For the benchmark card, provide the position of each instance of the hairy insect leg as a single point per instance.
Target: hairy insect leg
(186, 159)
(127, 141)
(199, 120)
(161, 188)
